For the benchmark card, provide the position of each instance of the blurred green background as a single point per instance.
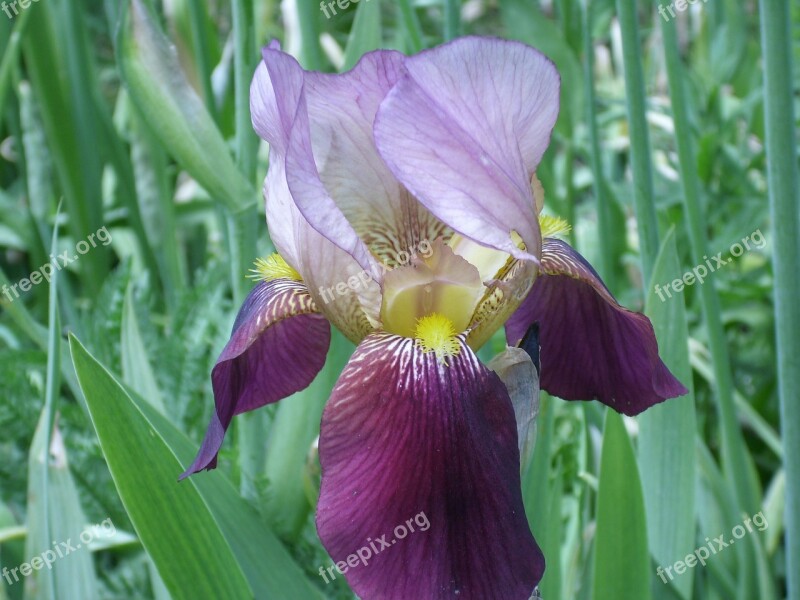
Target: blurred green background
(134, 117)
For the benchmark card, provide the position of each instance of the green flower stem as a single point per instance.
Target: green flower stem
(198, 20)
(52, 386)
(785, 212)
(243, 225)
(569, 189)
(245, 58)
(11, 53)
(311, 52)
(640, 142)
(603, 208)
(411, 25)
(452, 19)
(253, 427)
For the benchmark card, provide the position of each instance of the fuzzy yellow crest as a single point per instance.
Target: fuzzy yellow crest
(436, 333)
(552, 226)
(273, 267)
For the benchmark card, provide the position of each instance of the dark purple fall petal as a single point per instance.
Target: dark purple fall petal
(278, 345)
(591, 347)
(464, 130)
(403, 435)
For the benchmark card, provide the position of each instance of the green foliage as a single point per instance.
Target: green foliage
(621, 557)
(135, 114)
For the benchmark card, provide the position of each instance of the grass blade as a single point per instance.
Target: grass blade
(784, 197)
(667, 432)
(621, 559)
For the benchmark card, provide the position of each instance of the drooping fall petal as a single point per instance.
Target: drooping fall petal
(464, 130)
(404, 436)
(591, 347)
(277, 347)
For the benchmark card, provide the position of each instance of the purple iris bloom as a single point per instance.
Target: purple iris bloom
(402, 199)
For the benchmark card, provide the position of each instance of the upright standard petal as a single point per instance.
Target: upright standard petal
(277, 347)
(591, 347)
(331, 253)
(464, 130)
(341, 114)
(420, 494)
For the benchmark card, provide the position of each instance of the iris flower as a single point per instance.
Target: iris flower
(435, 152)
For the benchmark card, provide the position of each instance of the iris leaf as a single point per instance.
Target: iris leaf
(667, 431)
(55, 515)
(54, 509)
(160, 90)
(297, 422)
(621, 559)
(784, 194)
(129, 428)
(365, 34)
(136, 369)
(174, 524)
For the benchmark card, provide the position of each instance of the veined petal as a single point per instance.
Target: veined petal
(502, 298)
(341, 112)
(277, 347)
(406, 439)
(325, 267)
(328, 252)
(591, 347)
(465, 128)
